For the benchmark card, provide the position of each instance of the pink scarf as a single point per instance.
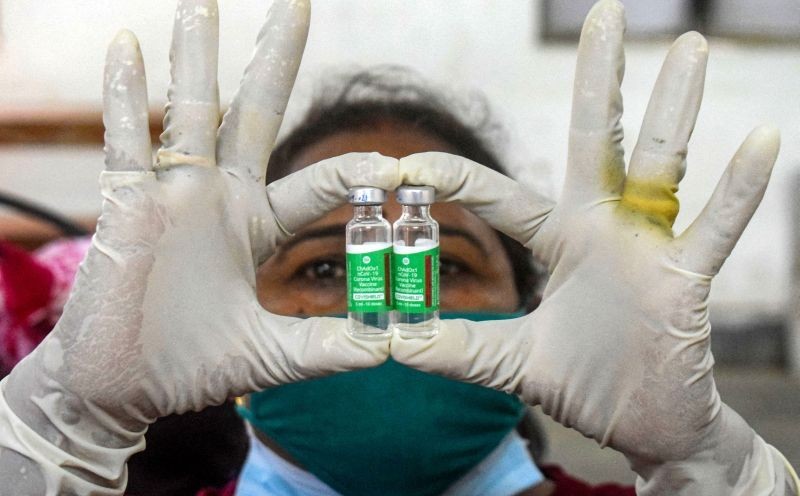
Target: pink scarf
(33, 290)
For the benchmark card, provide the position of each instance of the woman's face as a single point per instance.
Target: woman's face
(307, 275)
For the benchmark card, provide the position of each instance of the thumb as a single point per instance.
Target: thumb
(291, 349)
(485, 353)
(310, 193)
(499, 200)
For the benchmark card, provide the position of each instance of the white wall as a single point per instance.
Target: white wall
(52, 54)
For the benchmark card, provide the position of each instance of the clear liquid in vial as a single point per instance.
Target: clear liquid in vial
(369, 241)
(415, 272)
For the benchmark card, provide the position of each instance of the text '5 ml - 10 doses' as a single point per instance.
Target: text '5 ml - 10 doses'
(392, 284)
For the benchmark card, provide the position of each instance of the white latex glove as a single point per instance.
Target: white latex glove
(619, 347)
(163, 317)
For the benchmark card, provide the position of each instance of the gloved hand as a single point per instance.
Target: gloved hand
(163, 317)
(619, 347)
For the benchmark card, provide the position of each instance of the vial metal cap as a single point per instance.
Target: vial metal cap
(366, 195)
(415, 195)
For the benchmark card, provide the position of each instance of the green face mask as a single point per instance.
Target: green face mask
(386, 430)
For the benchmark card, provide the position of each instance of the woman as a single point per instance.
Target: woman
(165, 317)
(425, 434)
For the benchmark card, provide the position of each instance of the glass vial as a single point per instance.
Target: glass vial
(415, 264)
(369, 247)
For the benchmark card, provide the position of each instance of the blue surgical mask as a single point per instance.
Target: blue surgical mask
(389, 429)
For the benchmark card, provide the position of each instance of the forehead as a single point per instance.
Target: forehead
(385, 137)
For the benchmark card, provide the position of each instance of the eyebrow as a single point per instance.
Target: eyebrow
(312, 234)
(336, 230)
(461, 233)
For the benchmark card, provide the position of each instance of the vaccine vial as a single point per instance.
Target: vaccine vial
(368, 252)
(415, 264)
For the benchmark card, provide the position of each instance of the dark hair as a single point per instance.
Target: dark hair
(394, 94)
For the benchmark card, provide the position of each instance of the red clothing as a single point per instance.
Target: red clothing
(228, 490)
(33, 290)
(565, 486)
(569, 486)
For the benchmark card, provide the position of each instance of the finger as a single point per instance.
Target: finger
(251, 124)
(127, 136)
(710, 239)
(192, 113)
(312, 192)
(659, 160)
(485, 353)
(499, 200)
(293, 349)
(595, 166)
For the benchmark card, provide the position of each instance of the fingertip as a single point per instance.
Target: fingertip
(298, 8)
(411, 351)
(608, 7)
(125, 37)
(367, 169)
(124, 49)
(195, 18)
(373, 351)
(189, 9)
(603, 27)
(766, 135)
(382, 161)
(348, 352)
(193, 14)
(694, 39)
(446, 172)
(606, 16)
(410, 164)
(760, 148)
(692, 46)
(291, 13)
(299, 4)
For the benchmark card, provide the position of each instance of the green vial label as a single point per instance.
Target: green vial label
(368, 278)
(415, 279)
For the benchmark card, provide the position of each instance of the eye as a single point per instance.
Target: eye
(451, 268)
(326, 270)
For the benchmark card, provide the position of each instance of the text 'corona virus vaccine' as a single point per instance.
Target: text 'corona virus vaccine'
(369, 247)
(415, 264)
